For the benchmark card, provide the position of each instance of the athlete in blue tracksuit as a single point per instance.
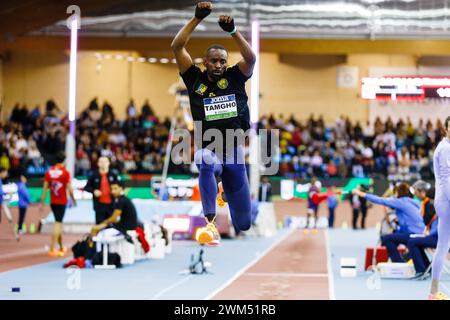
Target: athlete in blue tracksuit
(408, 215)
(24, 201)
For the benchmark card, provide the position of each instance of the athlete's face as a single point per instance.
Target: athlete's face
(216, 62)
(116, 190)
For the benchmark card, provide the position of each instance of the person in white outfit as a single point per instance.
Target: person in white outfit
(441, 164)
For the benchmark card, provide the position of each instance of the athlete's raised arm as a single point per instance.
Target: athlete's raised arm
(249, 58)
(184, 60)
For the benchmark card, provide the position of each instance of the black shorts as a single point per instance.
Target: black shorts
(58, 211)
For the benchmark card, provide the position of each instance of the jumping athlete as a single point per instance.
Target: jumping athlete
(218, 101)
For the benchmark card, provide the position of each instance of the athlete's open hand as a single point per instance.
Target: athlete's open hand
(226, 23)
(202, 10)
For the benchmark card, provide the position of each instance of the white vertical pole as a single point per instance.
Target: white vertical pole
(254, 114)
(165, 172)
(70, 139)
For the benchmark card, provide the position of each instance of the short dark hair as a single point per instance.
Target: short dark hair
(3, 169)
(60, 157)
(216, 46)
(446, 122)
(117, 182)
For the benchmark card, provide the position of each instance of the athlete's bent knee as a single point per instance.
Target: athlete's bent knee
(245, 224)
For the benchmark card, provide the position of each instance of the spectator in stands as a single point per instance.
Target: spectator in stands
(83, 165)
(51, 109)
(404, 164)
(355, 150)
(131, 109)
(332, 170)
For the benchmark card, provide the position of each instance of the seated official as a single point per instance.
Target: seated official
(408, 214)
(417, 244)
(124, 216)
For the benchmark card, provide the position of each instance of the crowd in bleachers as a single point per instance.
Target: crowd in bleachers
(30, 139)
(398, 150)
(137, 144)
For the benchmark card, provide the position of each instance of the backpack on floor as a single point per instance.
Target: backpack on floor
(84, 248)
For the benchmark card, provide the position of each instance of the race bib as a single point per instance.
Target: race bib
(222, 107)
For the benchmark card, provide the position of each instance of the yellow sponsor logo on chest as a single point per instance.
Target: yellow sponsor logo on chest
(222, 83)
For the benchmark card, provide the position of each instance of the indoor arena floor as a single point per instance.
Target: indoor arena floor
(289, 265)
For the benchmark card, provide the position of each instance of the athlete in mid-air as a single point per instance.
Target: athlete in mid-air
(218, 101)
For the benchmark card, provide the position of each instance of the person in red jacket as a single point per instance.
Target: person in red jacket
(57, 179)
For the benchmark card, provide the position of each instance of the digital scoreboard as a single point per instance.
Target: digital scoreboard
(405, 88)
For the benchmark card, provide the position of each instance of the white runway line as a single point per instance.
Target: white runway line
(287, 274)
(331, 291)
(162, 292)
(250, 264)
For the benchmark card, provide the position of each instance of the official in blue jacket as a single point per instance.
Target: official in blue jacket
(24, 201)
(408, 214)
(418, 243)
